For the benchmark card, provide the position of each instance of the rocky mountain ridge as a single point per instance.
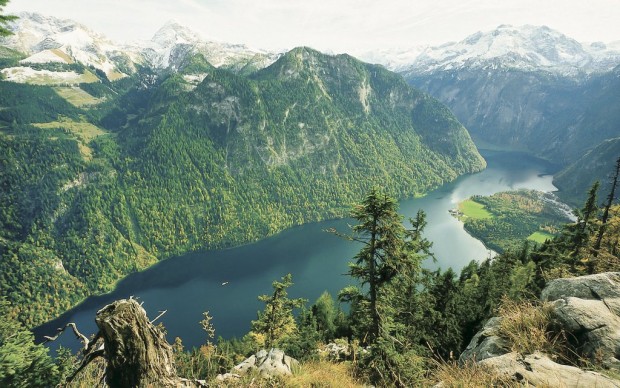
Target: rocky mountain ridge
(525, 48)
(46, 39)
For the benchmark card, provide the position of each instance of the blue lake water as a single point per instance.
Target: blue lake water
(188, 285)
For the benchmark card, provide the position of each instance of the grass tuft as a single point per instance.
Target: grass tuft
(469, 375)
(527, 327)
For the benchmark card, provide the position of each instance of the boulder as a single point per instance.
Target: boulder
(587, 308)
(538, 370)
(268, 363)
(486, 343)
(336, 351)
(602, 286)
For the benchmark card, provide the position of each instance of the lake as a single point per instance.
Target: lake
(227, 282)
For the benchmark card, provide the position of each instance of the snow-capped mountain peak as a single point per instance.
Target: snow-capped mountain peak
(174, 33)
(50, 39)
(525, 48)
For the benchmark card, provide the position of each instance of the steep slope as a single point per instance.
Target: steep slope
(597, 164)
(202, 158)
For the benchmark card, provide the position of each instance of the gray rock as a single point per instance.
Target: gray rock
(268, 364)
(538, 370)
(336, 351)
(587, 308)
(227, 377)
(486, 343)
(601, 286)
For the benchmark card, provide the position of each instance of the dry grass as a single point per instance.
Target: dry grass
(77, 97)
(317, 374)
(469, 375)
(527, 327)
(324, 374)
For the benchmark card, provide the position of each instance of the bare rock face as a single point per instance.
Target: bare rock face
(137, 352)
(588, 309)
(268, 364)
(592, 287)
(538, 370)
(486, 343)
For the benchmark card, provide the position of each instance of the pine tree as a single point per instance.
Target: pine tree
(584, 220)
(392, 313)
(22, 363)
(4, 19)
(610, 200)
(324, 312)
(276, 322)
(381, 232)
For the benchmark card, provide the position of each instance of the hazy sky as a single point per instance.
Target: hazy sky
(334, 25)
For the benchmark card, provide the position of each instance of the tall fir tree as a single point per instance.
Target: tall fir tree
(381, 232)
(611, 197)
(5, 19)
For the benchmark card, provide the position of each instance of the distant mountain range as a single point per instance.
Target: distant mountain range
(49, 39)
(525, 48)
(508, 47)
(529, 88)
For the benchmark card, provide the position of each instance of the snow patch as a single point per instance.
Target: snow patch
(44, 77)
(45, 56)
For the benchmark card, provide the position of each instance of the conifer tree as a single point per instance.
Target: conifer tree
(610, 200)
(392, 312)
(584, 220)
(22, 363)
(4, 19)
(381, 232)
(276, 322)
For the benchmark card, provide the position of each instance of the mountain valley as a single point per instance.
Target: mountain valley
(190, 172)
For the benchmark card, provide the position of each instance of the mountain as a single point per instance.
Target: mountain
(528, 88)
(173, 43)
(108, 177)
(526, 48)
(48, 40)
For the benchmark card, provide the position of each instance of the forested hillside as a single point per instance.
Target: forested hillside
(596, 164)
(104, 178)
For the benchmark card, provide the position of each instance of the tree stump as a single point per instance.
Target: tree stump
(136, 351)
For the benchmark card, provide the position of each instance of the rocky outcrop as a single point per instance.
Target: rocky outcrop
(336, 351)
(587, 309)
(268, 363)
(486, 343)
(539, 370)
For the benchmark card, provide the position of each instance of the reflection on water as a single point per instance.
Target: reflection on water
(188, 285)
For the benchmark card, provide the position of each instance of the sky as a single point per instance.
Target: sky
(336, 26)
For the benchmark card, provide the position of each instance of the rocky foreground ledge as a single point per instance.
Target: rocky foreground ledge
(585, 312)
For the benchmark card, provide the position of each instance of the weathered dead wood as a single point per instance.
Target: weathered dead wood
(81, 337)
(136, 351)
